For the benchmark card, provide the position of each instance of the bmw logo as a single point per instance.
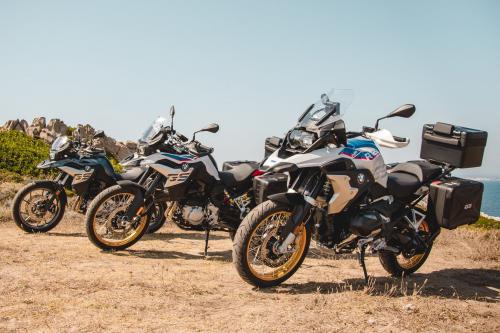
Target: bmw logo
(361, 178)
(185, 167)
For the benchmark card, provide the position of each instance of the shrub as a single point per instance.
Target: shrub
(20, 154)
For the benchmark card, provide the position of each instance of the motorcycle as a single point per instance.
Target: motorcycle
(83, 170)
(185, 175)
(342, 195)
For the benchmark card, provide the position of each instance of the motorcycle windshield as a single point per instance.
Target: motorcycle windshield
(332, 104)
(59, 142)
(153, 129)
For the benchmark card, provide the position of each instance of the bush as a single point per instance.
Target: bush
(20, 154)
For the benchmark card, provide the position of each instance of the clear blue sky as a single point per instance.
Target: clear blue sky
(252, 66)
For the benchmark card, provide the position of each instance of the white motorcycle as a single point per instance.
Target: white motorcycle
(341, 193)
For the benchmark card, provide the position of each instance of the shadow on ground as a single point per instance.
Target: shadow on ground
(157, 254)
(479, 284)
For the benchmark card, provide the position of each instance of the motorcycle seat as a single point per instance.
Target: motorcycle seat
(406, 178)
(402, 184)
(238, 175)
(133, 174)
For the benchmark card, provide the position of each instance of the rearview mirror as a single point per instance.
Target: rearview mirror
(172, 111)
(212, 128)
(404, 111)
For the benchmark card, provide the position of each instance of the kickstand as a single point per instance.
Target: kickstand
(361, 259)
(207, 235)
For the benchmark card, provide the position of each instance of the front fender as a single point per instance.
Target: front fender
(128, 184)
(290, 198)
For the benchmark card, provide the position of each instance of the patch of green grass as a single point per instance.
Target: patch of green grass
(20, 154)
(486, 224)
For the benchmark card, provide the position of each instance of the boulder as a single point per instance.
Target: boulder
(57, 127)
(39, 122)
(84, 131)
(47, 135)
(24, 124)
(33, 131)
(15, 125)
(132, 145)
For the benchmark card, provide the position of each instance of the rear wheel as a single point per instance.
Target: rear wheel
(106, 222)
(38, 207)
(406, 263)
(255, 245)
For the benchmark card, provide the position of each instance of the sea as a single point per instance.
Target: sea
(491, 197)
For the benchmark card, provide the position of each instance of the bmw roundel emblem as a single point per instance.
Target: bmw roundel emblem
(185, 167)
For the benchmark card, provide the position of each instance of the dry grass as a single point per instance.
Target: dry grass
(60, 282)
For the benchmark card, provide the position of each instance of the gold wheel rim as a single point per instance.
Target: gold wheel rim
(409, 263)
(124, 199)
(270, 224)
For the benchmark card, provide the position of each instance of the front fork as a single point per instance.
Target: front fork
(61, 180)
(300, 215)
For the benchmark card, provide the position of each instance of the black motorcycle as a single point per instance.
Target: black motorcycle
(83, 170)
(184, 174)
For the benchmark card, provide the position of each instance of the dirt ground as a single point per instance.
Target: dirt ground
(60, 282)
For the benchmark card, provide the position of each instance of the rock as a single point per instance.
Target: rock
(409, 307)
(15, 125)
(132, 145)
(47, 136)
(84, 131)
(57, 127)
(33, 131)
(39, 122)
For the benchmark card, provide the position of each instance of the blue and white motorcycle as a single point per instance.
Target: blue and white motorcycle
(342, 194)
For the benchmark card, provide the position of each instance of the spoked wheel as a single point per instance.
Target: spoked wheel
(107, 225)
(255, 248)
(38, 207)
(406, 263)
(157, 219)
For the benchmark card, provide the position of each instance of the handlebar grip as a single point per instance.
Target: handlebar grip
(399, 139)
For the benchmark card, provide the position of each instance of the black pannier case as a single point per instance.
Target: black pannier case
(456, 201)
(457, 146)
(271, 145)
(265, 185)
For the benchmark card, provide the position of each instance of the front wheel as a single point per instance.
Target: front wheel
(158, 218)
(106, 222)
(38, 207)
(255, 246)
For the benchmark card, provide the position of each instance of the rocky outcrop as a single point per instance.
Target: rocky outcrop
(48, 131)
(16, 125)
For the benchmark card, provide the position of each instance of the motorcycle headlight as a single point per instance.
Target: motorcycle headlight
(52, 155)
(301, 139)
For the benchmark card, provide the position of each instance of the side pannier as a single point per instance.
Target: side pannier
(456, 201)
